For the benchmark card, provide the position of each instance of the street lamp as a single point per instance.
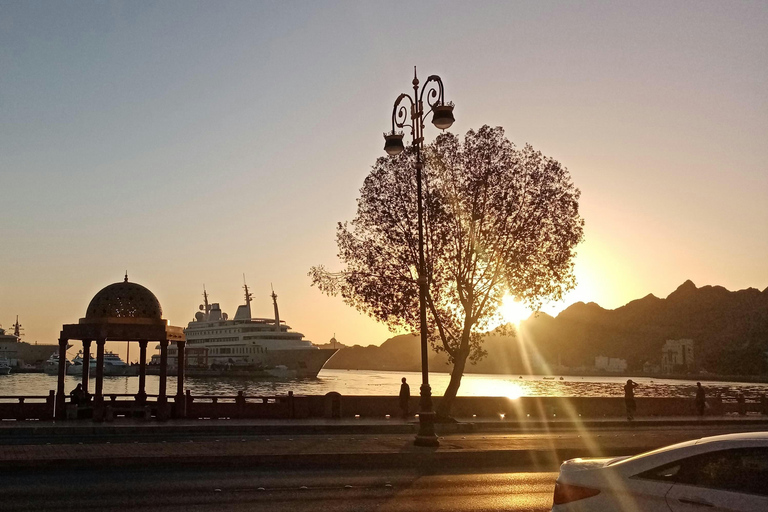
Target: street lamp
(442, 118)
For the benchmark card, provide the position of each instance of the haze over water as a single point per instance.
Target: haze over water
(361, 382)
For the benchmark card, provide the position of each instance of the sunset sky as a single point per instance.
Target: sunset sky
(192, 142)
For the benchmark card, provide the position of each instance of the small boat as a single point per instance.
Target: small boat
(5, 366)
(113, 366)
(51, 366)
(548, 378)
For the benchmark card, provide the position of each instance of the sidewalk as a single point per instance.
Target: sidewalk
(338, 443)
(13, 429)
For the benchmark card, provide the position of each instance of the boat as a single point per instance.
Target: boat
(5, 366)
(51, 366)
(113, 366)
(23, 357)
(245, 346)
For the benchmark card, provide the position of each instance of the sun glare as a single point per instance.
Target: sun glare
(514, 311)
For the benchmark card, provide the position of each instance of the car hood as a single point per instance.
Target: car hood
(574, 465)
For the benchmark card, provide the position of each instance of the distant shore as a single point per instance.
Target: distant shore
(709, 377)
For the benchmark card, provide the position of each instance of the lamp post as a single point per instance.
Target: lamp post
(442, 118)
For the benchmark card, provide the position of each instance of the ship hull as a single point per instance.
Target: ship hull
(276, 364)
(304, 363)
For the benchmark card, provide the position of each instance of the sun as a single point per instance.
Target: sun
(513, 311)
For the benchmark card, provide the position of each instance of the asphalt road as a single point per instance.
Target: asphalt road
(326, 491)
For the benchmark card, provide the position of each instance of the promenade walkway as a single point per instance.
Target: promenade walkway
(340, 443)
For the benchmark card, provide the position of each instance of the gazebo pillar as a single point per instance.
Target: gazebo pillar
(61, 400)
(86, 365)
(99, 395)
(163, 372)
(181, 402)
(162, 399)
(141, 396)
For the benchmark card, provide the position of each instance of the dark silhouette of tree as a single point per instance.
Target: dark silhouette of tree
(498, 220)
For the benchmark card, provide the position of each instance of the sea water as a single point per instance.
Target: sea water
(363, 382)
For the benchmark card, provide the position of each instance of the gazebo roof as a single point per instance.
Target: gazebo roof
(123, 311)
(124, 300)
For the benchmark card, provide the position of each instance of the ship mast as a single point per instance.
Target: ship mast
(248, 297)
(277, 313)
(17, 328)
(206, 306)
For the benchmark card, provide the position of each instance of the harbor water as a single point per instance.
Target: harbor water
(361, 382)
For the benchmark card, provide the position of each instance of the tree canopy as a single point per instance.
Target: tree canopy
(498, 220)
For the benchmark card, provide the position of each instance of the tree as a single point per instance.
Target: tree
(498, 220)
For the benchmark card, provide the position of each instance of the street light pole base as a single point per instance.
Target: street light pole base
(426, 435)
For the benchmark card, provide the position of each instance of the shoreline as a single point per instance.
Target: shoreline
(746, 379)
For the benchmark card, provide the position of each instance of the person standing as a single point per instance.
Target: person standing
(701, 398)
(405, 398)
(629, 399)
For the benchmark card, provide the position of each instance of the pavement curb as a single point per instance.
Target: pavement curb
(424, 458)
(110, 430)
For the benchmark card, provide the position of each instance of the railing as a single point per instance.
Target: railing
(22, 408)
(241, 406)
(334, 405)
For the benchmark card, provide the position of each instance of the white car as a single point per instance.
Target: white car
(718, 473)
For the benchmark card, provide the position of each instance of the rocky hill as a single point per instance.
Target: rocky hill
(730, 331)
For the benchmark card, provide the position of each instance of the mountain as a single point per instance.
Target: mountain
(729, 329)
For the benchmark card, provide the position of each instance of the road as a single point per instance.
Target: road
(492, 475)
(327, 491)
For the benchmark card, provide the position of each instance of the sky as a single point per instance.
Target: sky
(190, 143)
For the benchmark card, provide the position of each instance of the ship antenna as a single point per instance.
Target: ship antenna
(277, 313)
(248, 296)
(205, 302)
(17, 328)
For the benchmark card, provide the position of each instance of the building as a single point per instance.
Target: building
(610, 364)
(677, 356)
(652, 368)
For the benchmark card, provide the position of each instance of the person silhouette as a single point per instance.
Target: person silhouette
(629, 399)
(405, 398)
(77, 395)
(701, 398)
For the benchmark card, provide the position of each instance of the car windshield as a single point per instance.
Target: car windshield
(653, 452)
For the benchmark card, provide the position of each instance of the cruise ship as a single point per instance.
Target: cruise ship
(248, 346)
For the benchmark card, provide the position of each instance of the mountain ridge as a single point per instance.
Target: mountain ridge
(729, 329)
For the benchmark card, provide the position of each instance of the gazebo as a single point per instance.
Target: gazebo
(123, 311)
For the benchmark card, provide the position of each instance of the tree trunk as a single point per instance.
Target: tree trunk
(459, 363)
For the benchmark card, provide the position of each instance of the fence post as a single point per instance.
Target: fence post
(741, 404)
(50, 404)
(20, 411)
(240, 404)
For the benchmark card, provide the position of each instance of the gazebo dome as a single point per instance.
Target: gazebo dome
(124, 300)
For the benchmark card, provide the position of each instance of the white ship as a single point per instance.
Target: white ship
(51, 366)
(244, 345)
(113, 366)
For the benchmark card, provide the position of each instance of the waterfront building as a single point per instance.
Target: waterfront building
(677, 356)
(610, 364)
(652, 368)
